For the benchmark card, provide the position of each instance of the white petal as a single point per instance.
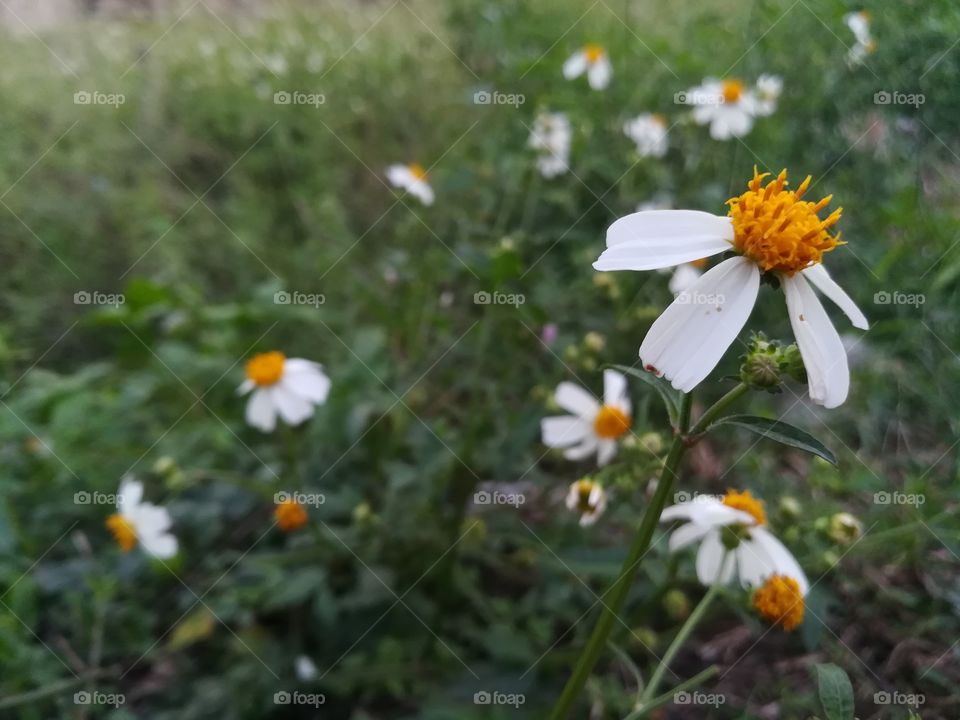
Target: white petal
(162, 546)
(828, 378)
(129, 495)
(821, 279)
(606, 450)
(686, 535)
(687, 341)
(307, 381)
(575, 399)
(575, 65)
(663, 238)
(260, 412)
(246, 386)
(422, 191)
(600, 73)
(709, 557)
(584, 449)
(614, 387)
(782, 560)
(683, 277)
(563, 430)
(293, 408)
(399, 176)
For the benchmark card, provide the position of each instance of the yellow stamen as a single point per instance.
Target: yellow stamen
(611, 422)
(290, 515)
(584, 491)
(593, 52)
(776, 229)
(418, 171)
(780, 601)
(701, 263)
(266, 368)
(747, 503)
(732, 90)
(123, 532)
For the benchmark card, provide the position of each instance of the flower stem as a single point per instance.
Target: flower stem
(651, 705)
(718, 407)
(621, 586)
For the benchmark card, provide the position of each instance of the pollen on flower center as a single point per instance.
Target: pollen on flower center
(584, 491)
(123, 532)
(747, 503)
(611, 422)
(266, 368)
(418, 171)
(780, 601)
(778, 230)
(732, 90)
(593, 52)
(290, 515)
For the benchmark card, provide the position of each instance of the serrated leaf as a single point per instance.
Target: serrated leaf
(836, 693)
(781, 432)
(671, 398)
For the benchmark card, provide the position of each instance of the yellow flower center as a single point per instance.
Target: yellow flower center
(290, 515)
(593, 52)
(659, 119)
(777, 230)
(418, 171)
(701, 263)
(123, 532)
(611, 422)
(747, 503)
(266, 368)
(732, 90)
(780, 601)
(584, 490)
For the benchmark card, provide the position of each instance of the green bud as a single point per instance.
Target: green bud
(732, 535)
(644, 638)
(844, 528)
(594, 341)
(790, 507)
(761, 364)
(677, 604)
(792, 364)
(651, 442)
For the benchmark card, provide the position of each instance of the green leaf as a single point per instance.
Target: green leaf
(781, 432)
(671, 398)
(836, 693)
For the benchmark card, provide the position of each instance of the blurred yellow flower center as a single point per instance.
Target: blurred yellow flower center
(593, 52)
(584, 491)
(611, 422)
(780, 601)
(123, 532)
(290, 515)
(732, 90)
(777, 230)
(266, 368)
(418, 171)
(659, 119)
(701, 263)
(747, 503)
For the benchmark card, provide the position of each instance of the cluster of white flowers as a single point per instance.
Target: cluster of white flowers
(729, 107)
(551, 137)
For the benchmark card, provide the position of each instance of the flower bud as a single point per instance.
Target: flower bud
(790, 507)
(594, 341)
(643, 638)
(844, 528)
(677, 604)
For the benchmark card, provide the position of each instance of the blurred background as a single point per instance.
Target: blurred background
(165, 214)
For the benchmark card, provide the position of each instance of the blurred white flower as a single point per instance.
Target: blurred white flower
(715, 523)
(767, 92)
(137, 521)
(593, 60)
(684, 276)
(305, 668)
(413, 179)
(725, 105)
(658, 202)
(592, 428)
(771, 230)
(551, 137)
(864, 44)
(276, 63)
(587, 498)
(649, 132)
(290, 387)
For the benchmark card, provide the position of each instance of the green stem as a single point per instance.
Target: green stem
(682, 635)
(621, 586)
(718, 407)
(48, 690)
(670, 695)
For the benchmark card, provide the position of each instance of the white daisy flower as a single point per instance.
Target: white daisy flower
(649, 132)
(715, 521)
(592, 427)
(684, 276)
(591, 59)
(725, 105)
(771, 230)
(859, 24)
(551, 136)
(587, 498)
(288, 386)
(767, 93)
(413, 179)
(137, 521)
